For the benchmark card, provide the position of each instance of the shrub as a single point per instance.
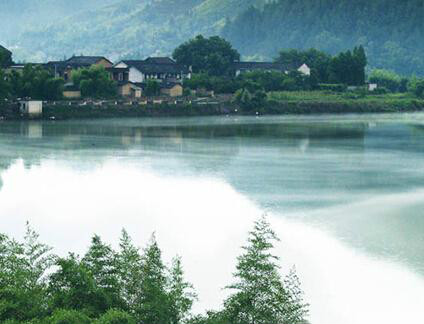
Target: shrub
(64, 316)
(332, 87)
(115, 316)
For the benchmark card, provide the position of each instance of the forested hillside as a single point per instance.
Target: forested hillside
(126, 28)
(392, 31)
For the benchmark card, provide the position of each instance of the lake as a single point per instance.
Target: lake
(345, 194)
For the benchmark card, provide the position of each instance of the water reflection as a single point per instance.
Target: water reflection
(353, 175)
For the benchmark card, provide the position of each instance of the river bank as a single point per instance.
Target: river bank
(273, 106)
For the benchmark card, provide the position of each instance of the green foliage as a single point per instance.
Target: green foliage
(23, 277)
(213, 55)
(35, 82)
(389, 80)
(4, 85)
(260, 295)
(72, 286)
(348, 67)
(333, 87)
(63, 316)
(181, 293)
(126, 287)
(417, 87)
(94, 82)
(392, 40)
(317, 60)
(115, 316)
(5, 58)
(154, 301)
(152, 88)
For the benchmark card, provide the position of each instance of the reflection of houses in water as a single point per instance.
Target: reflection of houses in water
(33, 130)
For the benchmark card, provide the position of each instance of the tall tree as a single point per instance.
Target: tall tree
(5, 57)
(101, 262)
(72, 286)
(213, 55)
(129, 266)
(181, 293)
(23, 277)
(153, 306)
(260, 296)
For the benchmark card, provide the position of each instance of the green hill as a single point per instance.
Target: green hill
(392, 31)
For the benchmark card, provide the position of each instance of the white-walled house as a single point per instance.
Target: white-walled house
(155, 68)
(31, 108)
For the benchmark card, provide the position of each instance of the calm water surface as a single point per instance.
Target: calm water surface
(345, 193)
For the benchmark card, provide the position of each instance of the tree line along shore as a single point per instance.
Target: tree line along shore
(130, 285)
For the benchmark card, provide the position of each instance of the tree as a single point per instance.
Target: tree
(4, 86)
(5, 57)
(23, 277)
(213, 55)
(101, 262)
(260, 296)
(72, 286)
(35, 82)
(152, 88)
(129, 269)
(115, 316)
(63, 316)
(94, 82)
(317, 60)
(181, 293)
(348, 67)
(153, 305)
(297, 308)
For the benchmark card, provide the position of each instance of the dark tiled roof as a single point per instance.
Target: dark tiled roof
(117, 69)
(261, 66)
(159, 60)
(85, 60)
(162, 65)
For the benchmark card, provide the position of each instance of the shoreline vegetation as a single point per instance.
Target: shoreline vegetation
(276, 103)
(130, 285)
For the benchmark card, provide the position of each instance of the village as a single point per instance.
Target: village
(132, 79)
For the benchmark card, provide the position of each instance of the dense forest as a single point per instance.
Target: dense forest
(129, 285)
(391, 31)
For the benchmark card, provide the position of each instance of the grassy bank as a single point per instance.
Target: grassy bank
(310, 102)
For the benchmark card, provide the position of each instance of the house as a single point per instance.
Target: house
(64, 69)
(130, 89)
(155, 68)
(71, 92)
(19, 68)
(244, 67)
(119, 74)
(31, 108)
(171, 89)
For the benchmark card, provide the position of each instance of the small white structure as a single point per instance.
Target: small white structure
(305, 70)
(372, 86)
(31, 108)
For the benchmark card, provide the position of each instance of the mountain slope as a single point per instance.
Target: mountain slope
(392, 31)
(135, 28)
